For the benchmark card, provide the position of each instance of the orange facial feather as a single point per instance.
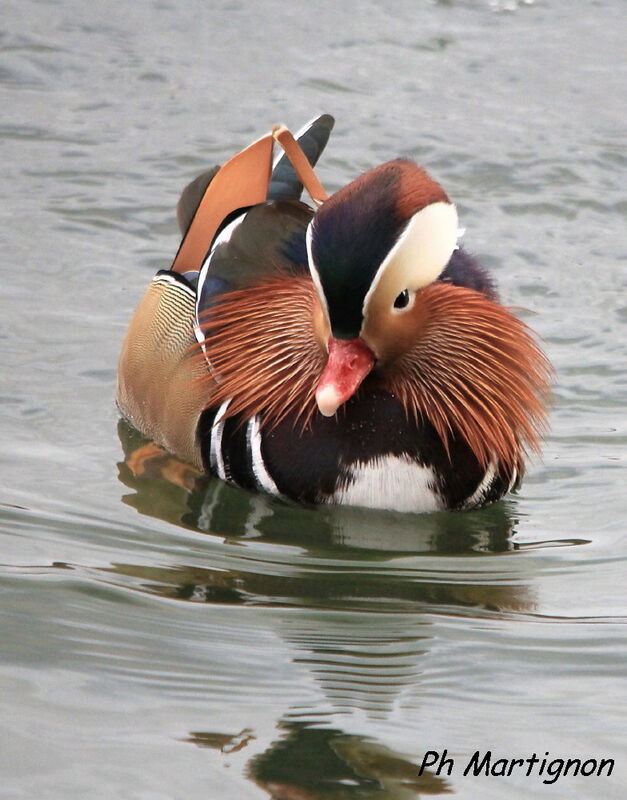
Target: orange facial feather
(473, 369)
(263, 349)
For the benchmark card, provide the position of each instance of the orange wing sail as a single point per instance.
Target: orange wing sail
(242, 181)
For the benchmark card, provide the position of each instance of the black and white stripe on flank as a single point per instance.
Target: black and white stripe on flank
(478, 497)
(235, 452)
(216, 458)
(263, 479)
(493, 485)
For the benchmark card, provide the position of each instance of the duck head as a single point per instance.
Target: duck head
(371, 247)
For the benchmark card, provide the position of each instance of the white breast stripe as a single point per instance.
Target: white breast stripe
(216, 459)
(420, 254)
(313, 269)
(394, 483)
(222, 238)
(477, 497)
(253, 441)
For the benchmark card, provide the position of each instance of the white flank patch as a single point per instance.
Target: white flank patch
(394, 483)
(253, 440)
(420, 254)
(216, 459)
(477, 497)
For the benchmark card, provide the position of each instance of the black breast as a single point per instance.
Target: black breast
(310, 465)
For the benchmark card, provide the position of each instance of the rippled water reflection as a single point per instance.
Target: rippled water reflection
(164, 635)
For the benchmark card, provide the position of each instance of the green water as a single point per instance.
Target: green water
(160, 642)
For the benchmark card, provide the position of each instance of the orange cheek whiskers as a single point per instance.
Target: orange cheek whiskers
(263, 352)
(475, 372)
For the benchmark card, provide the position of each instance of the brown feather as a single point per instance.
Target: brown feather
(472, 369)
(262, 345)
(476, 370)
(416, 189)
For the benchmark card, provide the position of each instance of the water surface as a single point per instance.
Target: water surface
(167, 637)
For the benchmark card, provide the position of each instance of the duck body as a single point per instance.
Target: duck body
(371, 455)
(349, 353)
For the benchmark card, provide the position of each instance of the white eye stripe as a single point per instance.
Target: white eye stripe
(419, 255)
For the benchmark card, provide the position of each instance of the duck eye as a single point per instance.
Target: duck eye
(402, 300)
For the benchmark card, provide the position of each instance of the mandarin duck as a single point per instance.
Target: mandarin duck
(348, 351)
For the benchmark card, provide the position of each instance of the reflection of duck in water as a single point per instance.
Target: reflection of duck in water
(346, 354)
(313, 763)
(169, 489)
(331, 606)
